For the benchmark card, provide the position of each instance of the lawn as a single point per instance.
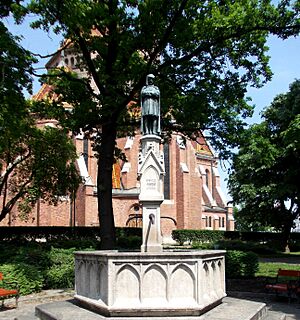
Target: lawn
(269, 269)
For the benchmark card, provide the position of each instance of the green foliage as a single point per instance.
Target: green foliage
(240, 264)
(265, 175)
(61, 271)
(23, 254)
(130, 242)
(64, 237)
(197, 236)
(35, 163)
(26, 277)
(204, 55)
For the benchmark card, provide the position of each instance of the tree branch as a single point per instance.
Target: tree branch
(10, 204)
(89, 61)
(237, 34)
(10, 168)
(51, 54)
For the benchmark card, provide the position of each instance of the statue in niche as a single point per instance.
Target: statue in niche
(150, 103)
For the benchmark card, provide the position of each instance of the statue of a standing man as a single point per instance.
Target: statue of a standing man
(150, 102)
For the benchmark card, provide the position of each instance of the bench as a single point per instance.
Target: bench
(7, 293)
(287, 283)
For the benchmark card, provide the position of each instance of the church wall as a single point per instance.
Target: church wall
(91, 207)
(80, 206)
(179, 199)
(195, 194)
(185, 205)
(123, 208)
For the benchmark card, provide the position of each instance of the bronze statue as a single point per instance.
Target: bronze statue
(150, 103)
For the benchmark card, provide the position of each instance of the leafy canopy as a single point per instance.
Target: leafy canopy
(266, 170)
(34, 162)
(203, 53)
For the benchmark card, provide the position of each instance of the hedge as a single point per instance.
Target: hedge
(190, 236)
(54, 234)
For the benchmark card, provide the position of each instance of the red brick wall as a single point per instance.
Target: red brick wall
(184, 206)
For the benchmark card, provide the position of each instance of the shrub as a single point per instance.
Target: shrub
(241, 264)
(60, 276)
(26, 277)
(197, 236)
(129, 242)
(78, 244)
(203, 246)
(33, 254)
(61, 271)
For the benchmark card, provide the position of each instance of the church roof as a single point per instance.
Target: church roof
(201, 146)
(46, 91)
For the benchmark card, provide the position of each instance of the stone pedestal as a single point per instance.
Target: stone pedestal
(151, 173)
(149, 284)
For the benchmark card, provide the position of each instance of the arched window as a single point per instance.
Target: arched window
(66, 61)
(135, 217)
(86, 152)
(72, 62)
(207, 177)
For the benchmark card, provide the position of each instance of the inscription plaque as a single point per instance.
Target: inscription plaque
(151, 184)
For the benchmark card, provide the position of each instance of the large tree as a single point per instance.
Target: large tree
(266, 170)
(203, 53)
(34, 163)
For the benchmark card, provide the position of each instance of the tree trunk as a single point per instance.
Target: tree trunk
(286, 235)
(104, 187)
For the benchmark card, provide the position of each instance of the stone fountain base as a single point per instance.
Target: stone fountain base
(120, 284)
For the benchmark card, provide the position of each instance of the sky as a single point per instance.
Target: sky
(284, 63)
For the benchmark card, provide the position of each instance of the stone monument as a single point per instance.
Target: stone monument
(152, 282)
(151, 167)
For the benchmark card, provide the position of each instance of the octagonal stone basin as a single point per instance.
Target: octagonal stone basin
(147, 284)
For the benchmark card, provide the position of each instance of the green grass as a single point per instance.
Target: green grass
(269, 269)
(296, 253)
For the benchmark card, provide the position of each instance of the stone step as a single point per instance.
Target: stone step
(270, 315)
(230, 309)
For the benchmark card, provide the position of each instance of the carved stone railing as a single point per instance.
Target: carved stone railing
(132, 283)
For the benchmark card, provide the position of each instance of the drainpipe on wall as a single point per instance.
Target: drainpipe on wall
(71, 213)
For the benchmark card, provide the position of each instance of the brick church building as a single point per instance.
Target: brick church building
(193, 198)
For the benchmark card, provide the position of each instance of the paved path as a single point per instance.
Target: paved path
(292, 310)
(27, 304)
